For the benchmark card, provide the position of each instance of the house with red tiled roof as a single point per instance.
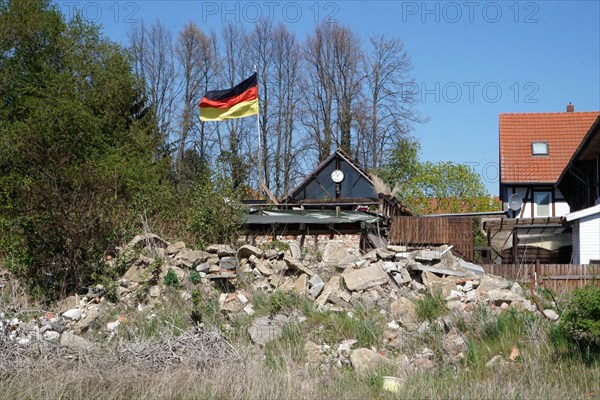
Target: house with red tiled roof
(535, 148)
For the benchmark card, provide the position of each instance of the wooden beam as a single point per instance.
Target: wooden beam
(268, 192)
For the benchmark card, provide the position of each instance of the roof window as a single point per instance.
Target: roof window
(539, 148)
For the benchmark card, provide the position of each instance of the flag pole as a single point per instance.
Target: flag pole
(260, 152)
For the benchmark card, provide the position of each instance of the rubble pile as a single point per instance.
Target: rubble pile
(388, 280)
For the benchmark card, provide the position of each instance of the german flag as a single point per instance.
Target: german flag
(237, 102)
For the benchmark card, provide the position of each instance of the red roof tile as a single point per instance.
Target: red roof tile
(562, 131)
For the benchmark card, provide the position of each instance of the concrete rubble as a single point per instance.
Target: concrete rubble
(389, 280)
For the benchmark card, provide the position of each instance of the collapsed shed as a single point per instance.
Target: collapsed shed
(336, 198)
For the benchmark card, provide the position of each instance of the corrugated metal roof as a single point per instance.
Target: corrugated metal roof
(267, 217)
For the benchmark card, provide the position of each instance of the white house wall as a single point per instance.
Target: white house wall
(589, 239)
(529, 208)
(562, 208)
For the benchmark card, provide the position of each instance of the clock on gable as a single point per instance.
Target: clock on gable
(337, 176)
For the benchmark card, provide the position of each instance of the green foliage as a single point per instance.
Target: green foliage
(364, 326)
(110, 286)
(171, 279)
(215, 213)
(431, 306)
(76, 146)
(275, 245)
(403, 164)
(428, 187)
(194, 277)
(490, 333)
(580, 323)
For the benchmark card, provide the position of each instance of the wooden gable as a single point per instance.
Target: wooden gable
(319, 188)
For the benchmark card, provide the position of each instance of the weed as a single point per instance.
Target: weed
(461, 323)
(124, 260)
(275, 245)
(319, 256)
(280, 302)
(431, 306)
(547, 298)
(171, 279)
(374, 379)
(434, 339)
(173, 314)
(110, 288)
(196, 298)
(207, 306)
(364, 326)
(491, 334)
(194, 278)
(142, 292)
(290, 346)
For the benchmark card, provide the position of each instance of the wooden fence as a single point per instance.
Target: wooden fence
(456, 231)
(558, 277)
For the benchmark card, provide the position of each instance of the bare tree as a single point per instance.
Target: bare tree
(389, 97)
(332, 55)
(235, 59)
(318, 90)
(154, 63)
(286, 56)
(347, 55)
(313, 96)
(260, 46)
(197, 59)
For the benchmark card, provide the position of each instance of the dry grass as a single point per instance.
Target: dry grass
(538, 375)
(381, 187)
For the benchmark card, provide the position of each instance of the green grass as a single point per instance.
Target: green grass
(290, 347)
(320, 326)
(490, 334)
(364, 326)
(431, 306)
(172, 314)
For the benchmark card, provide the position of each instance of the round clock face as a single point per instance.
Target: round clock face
(337, 176)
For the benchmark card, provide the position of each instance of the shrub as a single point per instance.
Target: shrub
(580, 323)
(215, 213)
(75, 156)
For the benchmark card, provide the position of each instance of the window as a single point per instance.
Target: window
(539, 148)
(542, 204)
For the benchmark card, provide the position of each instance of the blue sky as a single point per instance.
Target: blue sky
(472, 60)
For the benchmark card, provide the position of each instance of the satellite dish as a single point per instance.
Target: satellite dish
(515, 201)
